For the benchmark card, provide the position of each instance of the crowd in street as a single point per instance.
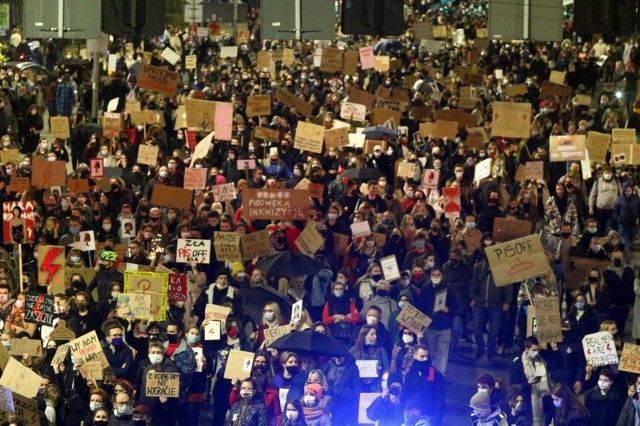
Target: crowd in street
(590, 209)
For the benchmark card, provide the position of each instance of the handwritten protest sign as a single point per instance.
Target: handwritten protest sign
(285, 204)
(177, 287)
(511, 120)
(111, 123)
(193, 250)
(172, 196)
(623, 136)
(353, 111)
(195, 178)
(200, 114)
(309, 137)
(390, 268)
(133, 305)
(567, 148)
(366, 57)
(162, 384)
(293, 101)
(87, 348)
(482, 170)
(148, 154)
(517, 260)
(534, 170)
(191, 62)
(224, 192)
(39, 308)
(33, 347)
(598, 145)
(48, 173)
(217, 313)
(256, 244)
(154, 283)
(26, 410)
(360, 229)
(265, 133)
(62, 332)
(60, 127)
(336, 137)
(212, 331)
(60, 355)
(239, 365)
(20, 379)
(258, 105)
(161, 80)
(272, 334)
(413, 319)
(548, 319)
(630, 358)
(599, 349)
(309, 240)
(367, 368)
(227, 246)
(10, 155)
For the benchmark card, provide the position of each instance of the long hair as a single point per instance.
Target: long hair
(569, 402)
(359, 347)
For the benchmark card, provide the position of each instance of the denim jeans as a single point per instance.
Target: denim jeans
(482, 314)
(439, 342)
(627, 235)
(457, 323)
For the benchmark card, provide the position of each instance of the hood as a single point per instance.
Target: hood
(408, 295)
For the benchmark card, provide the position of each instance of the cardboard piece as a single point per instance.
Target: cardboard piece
(62, 332)
(162, 384)
(630, 358)
(48, 173)
(290, 99)
(87, 348)
(159, 79)
(517, 90)
(554, 92)
(476, 137)
(517, 260)
(366, 399)
(510, 229)
(285, 204)
(309, 241)
(148, 154)
(379, 116)
(51, 266)
(623, 136)
(361, 97)
(598, 145)
(577, 269)
(10, 155)
(599, 349)
(273, 334)
(567, 148)
(195, 178)
(413, 319)
(26, 410)
(406, 169)
(309, 137)
(224, 192)
(77, 186)
(256, 244)
(60, 127)
(193, 250)
(223, 120)
(172, 196)
(19, 347)
(239, 365)
(331, 60)
(534, 170)
(170, 56)
(133, 305)
(336, 137)
(266, 134)
(511, 120)
(461, 117)
(191, 62)
(20, 379)
(258, 105)
(144, 117)
(548, 320)
(227, 246)
(200, 114)
(217, 313)
(557, 77)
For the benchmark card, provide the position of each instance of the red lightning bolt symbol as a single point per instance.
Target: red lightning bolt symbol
(46, 263)
(608, 346)
(39, 300)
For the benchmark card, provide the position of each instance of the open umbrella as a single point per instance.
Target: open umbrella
(288, 264)
(377, 132)
(309, 342)
(386, 45)
(362, 173)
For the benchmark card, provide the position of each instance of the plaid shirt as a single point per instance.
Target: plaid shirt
(65, 99)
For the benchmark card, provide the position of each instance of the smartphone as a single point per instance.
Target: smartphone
(538, 378)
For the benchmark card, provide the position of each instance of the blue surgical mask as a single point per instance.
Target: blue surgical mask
(73, 230)
(419, 244)
(338, 293)
(332, 216)
(193, 339)
(471, 225)
(402, 305)
(579, 305)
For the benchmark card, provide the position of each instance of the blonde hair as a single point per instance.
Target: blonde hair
(277, 314)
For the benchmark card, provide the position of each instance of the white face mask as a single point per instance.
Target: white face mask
(604, 384)
(436, 280)
(155, 358)
(407, 338)
(371, 320)
(533, 354)
(19, 304)
(268, 316)
(310, 399)
(292, 415)
(94, 405)
(246, 393)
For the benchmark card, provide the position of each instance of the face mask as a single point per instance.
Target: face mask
(604, 384)
(81, 307)
(124, 410)
(410, 419)
(471, 225)
(139, 422)
(409, 194)
(617, 263)
(533, 354)
(292, 370)
(417, 275)
(407, 338)
(100, 422)
(593, 280)
(193, 339)
(371, 320)
(292, 415)
(370, 243)
(419, 244)
(579, 306)
(488, 242)
(19, 304)
(436, 280)
(310, 400)
(95, 405)
(338, 294)
(431, 264)
(155, 358)
(557, 403)
(117, 341)
(106, 227)
(172, 338)
(7, 344)
(268, 316)
(232, 332)
(402, 305)
(376, 277)
(592, 229)
(114, 295)
(164, 174)
(73, 230)
(607, 176)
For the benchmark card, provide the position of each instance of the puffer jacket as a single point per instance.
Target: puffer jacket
(248, 413)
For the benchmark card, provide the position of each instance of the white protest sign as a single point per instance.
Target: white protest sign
(599, 349)
(193, 250)
(390, 268)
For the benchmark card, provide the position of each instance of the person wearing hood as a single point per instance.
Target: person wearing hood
(626, 210)
(613, 241)
(619, 280)
(314, 413)
(484, 414)
(383, 301)
(344, 384)
(250, 411)
(298, 175)
(404, 298)
(530, 371)
(421, 379)
(602, 199)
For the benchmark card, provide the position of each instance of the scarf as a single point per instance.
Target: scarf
(533, 368)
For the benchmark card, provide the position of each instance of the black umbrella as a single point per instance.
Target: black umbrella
(288, 264)
(386, 45)
(362, 173)
(378, 132)
(309, 342)
(427, 87)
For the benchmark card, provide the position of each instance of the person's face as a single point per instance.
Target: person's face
(371, 336)
(115, 332)
(172, 330)
(291, 362)
(560, 190)
(483, 387)
(376, 271)
(373, 313)
(421, 355)
(122, 399)
(260, 361)
(100, 416)
(534, 348)
(96, 398)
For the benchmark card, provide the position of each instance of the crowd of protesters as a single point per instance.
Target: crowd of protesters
(590, 209)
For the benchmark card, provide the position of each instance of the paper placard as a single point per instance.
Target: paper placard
(87, 348)
(630, 358)
(148, 154)
(309, 240)
(366, 57)
(62, 332)
(517, 90)
(510, 229)
(440, 301)
(217, 313)
(511, 120)
(361, 97)
(599, 349)
(162, 384)
(451, 202)
(133, 305)
(557, 77)
(60, 127)
(476, 137)
(170, 56)
(309, 137)
(191, 62)
(227, 246)
(413, 319)
(291, 100)
(195, 178)
(193, 250)
(51, 265)
(517, 260)
(226, 191)
(200, 114)
(177, 287)
(360, 229)
(567, 148)
(20, 379)
(285, 204)
(353, 111)
(331, 60)
(366, 399)
(212, 331)
(482, 170)
(239, 365)
(172, 196)
(623, 136)
(159, 79)
(48, 173)
(548, 325)
(368, 368)
(266, 134)
(430, 179)
(534, 170)
(336, 137)
(273, 334)
(77, 186)
(228, 52)
(111, 123)
(381, 63)
(258, 105)
(583, 100)
(256, 244)
(390, 268)
(19, 347)
(10, 155)
(223, 120)
(144, 117)
(406, 169)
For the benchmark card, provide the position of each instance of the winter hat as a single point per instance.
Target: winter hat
(480, 401)
(315, 389)
(394, 378)
(236, 268)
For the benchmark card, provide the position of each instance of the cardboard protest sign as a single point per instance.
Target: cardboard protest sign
(517, 260)
(554, 92)
(223, 120)
(290, 99)
(598, 145)
(557, 77)
(272, 334)
(381, 63)
(517, 90)
(19, 347)
(309, 240)
(360, 229)
(8, 155)
(367, 368)
(239, 365)
(630, 358)
(567, 148)
(51, 267)
(583, 100)
(366, 57)
(511, 120)
(468, 97)
(60, 355)
(229, 51)
(309, 137)
(256, 244)
(60, 127)
(336, 137)
(341, 242)
(20, 379)
(191, 62)
(476, 137)
(62, 332)
(193, 250)
(77, 186)
(39, 308)
(26, 410)
(379, 116)
(350, 62)
(200, 114)
(17, 222)
(599, 349)
(162, 384)
(224, 192)
(133, 305)
(266, 134)
(144, 117)
(227, 246)
(195, 178)
(406, 169)
(87, 348)
(285, 204)
(48, 173)
(390, 268)
(154, 283)
(172, 196)
(457, 115)
(361, 97)
(217, 313)
(148, 154)
(331, 60)
(548, 319)
(623, 136)
(162, 80)
(534, 170)
(430, 179)
(413, 319)
(577, 268)
(258, 105)
(111, 123)
(510, 229)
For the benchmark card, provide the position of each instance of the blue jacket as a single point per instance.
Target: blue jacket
(627, 209)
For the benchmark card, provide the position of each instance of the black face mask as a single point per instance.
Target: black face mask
(617, 263)
(139, 422)
(100, 422)
(593, 280)
(566, 234)
(108, 389)
(172, 338)
(292, 370)
(382, 293)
